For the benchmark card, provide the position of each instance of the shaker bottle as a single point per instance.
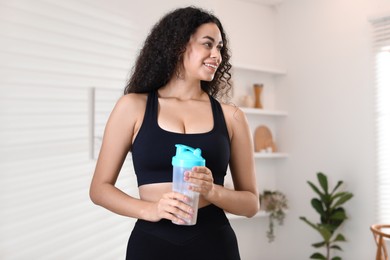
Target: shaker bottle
(186, 157)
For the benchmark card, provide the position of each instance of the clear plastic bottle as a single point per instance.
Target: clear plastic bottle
(186, 157)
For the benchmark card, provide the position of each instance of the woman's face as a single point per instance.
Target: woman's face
(203, 53)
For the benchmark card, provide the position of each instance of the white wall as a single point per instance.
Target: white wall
(326, 46)
(251, 30)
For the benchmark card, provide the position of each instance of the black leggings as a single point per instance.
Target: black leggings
(212, 238)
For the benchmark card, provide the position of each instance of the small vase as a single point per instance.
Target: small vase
(247, 101)
(258, 88)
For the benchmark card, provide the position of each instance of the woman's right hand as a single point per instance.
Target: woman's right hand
(173, 206)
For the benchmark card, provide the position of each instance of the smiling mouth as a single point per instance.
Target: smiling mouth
(213, 66)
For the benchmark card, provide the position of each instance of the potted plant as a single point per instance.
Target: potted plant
(275, 204)
(332, 215)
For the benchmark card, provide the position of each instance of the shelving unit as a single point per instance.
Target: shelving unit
(260, 214)
(257, 111)
(266, 164)
(258, 73)
(270, 155)
(273, 71)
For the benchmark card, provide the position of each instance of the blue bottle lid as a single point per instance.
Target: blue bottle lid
(187, 157)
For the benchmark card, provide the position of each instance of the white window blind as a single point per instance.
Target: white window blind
(381, 37)
(53, 54)
(103, 102)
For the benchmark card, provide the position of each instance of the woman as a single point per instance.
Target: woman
(170, 99)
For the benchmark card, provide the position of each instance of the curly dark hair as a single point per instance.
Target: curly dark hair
(164, 47)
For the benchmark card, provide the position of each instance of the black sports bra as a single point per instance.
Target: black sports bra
(154, 147)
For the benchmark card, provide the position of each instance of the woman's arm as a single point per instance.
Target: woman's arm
(244, 199)
(123, 123)
(116, 144)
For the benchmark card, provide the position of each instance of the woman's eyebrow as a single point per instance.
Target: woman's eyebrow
(211, 39)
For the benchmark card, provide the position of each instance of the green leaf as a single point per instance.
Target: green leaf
(319, 244)
(336, 258)
(331, 227)
(325, 233)
(317, 256)
(317, 205)
(327, 200)
(336, 247)
(343, 199)
(338, 215)
(339, 237)
(322, 179)
(338, 194)
(308, 222)
(316, 190)
(337, 186)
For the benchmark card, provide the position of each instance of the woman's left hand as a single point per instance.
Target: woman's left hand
(202, 178)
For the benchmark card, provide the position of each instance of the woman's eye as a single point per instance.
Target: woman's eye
(208, 45)
(219, 47)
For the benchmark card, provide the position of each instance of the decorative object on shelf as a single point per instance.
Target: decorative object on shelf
(247, 101)
(274, 203)
(332, 215)
(263, 140)
(258, 89)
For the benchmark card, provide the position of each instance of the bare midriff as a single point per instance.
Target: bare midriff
(154, 192)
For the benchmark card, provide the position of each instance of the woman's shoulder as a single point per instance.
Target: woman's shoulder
(235, 118)
(232, 111)
(131, 103)
(133, 100)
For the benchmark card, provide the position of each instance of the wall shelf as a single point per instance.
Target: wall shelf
(270, 155)
(268, 70)
(264, 112)
(260, 214)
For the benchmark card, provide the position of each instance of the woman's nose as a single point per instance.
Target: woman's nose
(216, 54)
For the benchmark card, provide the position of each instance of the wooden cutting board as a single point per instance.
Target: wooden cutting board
(263, 139)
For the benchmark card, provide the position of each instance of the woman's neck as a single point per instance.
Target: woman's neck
(182, 89)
